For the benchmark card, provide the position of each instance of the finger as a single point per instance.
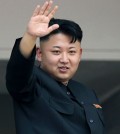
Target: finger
(43, 8)
(48, 7)
(36, 11)
(52, 28)
(52, 13)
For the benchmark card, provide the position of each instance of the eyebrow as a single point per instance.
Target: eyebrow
(71, 47)
(56, 46)
(60, 47)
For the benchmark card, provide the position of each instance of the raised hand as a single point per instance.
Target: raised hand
(38, 25)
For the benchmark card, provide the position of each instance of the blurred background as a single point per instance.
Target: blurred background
(100, 65)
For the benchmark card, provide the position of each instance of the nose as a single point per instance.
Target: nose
(64, 58)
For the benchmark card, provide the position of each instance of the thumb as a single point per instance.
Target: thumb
(53, 27)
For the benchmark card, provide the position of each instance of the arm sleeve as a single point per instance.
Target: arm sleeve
(20, 79)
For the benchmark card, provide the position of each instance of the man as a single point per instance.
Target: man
(46, 99)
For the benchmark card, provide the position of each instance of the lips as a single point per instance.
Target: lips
(63, 69)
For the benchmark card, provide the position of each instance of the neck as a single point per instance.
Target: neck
(65, 83)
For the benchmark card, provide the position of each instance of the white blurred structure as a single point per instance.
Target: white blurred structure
(99, 20)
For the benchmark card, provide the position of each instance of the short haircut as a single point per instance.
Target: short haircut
(66, 27)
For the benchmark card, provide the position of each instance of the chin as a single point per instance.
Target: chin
(63, 79)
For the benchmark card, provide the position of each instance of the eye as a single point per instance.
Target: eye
(56, 52)
(72, 52)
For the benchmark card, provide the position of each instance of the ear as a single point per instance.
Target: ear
(80, 53)
(38, 54)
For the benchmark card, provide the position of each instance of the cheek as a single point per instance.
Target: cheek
(76, 59)
(75, 64)
(50, 60)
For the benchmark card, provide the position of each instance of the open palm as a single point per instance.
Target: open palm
(39, 23)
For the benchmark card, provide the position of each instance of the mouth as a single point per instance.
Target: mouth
(63, 69)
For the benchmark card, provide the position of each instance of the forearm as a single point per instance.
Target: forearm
(27, 45)
(19, 69)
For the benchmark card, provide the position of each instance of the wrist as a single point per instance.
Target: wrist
(30, 37)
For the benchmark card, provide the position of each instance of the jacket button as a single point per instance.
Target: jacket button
(82, 102)
(68, 93)
(91, 121)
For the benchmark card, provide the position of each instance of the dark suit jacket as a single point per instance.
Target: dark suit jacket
(41, 106)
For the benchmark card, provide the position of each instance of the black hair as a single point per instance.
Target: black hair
(66, 27)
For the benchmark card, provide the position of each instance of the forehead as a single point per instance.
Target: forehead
(59, 40)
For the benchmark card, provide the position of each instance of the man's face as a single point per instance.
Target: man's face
(59, 57)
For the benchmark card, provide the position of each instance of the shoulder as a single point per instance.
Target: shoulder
(83, 91)
(80, 86)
